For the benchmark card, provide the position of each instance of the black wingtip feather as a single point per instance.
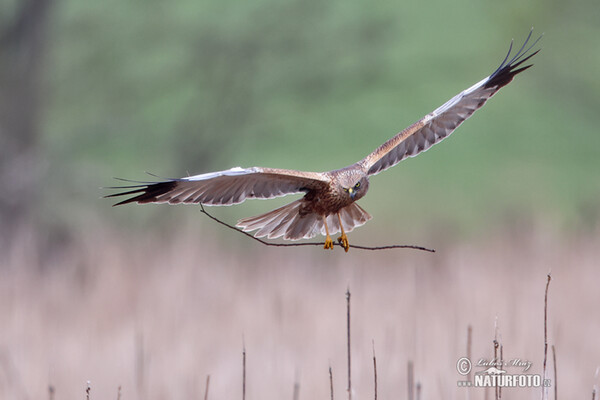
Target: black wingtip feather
(508, 69)
(148, 192)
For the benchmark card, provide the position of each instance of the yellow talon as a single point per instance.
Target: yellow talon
(344, 242)
(328, 243)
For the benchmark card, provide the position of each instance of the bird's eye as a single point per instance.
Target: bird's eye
(357, 185)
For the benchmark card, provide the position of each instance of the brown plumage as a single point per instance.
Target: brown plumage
(328, 205)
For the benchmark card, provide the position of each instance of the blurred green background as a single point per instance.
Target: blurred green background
(154, 298)
(94, 90)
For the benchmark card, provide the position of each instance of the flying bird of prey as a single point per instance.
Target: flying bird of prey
(329, 202)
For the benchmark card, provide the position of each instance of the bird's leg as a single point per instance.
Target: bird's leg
(343, 239)
(328, 241)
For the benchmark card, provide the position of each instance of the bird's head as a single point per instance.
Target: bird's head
(355, 187)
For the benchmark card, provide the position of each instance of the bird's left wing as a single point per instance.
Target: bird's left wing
(223, 188)
(443, 121)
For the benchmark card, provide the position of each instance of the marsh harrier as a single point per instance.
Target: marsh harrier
(329, 202)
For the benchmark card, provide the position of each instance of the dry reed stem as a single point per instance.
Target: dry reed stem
(555, 373)
(244, 373)
(374, 371)
(502, 364)
(206, 388)
(411, 381)
(354, 246)
(331, 382)
(496, 345)
(469, 348)
(139, 365)
(544, 387)
(595, 387)
(348, 342)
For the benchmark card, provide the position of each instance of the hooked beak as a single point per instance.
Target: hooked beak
(352, 193)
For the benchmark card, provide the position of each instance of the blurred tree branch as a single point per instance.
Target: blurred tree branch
(23, 41)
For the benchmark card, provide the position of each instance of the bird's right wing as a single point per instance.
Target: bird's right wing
(439, 124)
(228, 187)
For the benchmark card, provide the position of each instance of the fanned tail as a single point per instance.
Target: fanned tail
(286, 221)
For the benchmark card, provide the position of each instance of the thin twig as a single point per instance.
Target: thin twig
(119, 393)
(206, 388)
(418, 391)
(348, 341)
(375, 370)
(87, 390)
(354, 246)
(544, 387)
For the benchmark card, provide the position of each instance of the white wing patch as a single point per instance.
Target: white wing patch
(235, 171)
(456, 99)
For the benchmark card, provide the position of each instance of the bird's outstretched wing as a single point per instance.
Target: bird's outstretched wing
(443, 121)
(223, 188)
